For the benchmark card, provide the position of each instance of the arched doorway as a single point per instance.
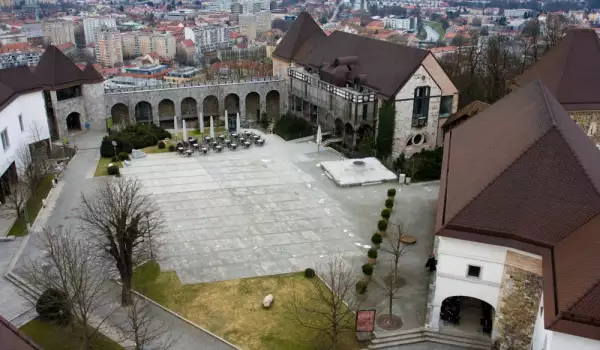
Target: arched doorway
(232, 106)
(143, 112)
(273, 104)
(349, 135)
(120, 114)
(365, 136)
(189, 108)
(338, 130)
(210, 107)
(252, 106)
(166, 109)
(466, 315)
(73, 122)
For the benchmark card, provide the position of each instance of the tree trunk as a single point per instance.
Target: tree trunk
(391, 297)
(126, 293)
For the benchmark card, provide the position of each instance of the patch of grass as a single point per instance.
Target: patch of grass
(102, 167)
(34, 205)
(233, 309)
(51, 336)
(437, 26)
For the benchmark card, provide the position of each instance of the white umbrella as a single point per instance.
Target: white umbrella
(238, 125)
(176, 127)
(319, 138)
(226, 121)
(201, 123)
(185, 137)
(212, 128)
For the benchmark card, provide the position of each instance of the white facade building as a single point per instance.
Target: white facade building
(108, 47)
(210, 37)
(19, 58)
(91, 24)
(406, 23)
(253, 24)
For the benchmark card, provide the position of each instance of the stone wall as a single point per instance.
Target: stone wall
(65, 107)
(95, 113)
(589, 121)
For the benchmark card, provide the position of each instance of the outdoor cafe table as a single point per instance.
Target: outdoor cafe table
(207, 138)
(234, 135)
(221, 137)
(234, 145)
(204, 150)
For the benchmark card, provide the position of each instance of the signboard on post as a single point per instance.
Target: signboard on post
(365, 324)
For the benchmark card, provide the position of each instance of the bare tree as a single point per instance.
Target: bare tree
(393, 245)
(391, 285)
(69, 268)
(328, 309)
(143, 329)
(124, 222)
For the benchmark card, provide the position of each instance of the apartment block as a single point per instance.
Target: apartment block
(139, 44)
(108, 47)
(91, 24)
(211, 37)
(59, 32)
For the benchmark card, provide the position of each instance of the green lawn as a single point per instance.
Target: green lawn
(102, 167)
(233, 309)
(51, 336)
(34, 204)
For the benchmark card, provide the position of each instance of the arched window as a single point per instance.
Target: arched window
(421, 106)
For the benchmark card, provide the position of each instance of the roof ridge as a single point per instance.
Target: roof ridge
(596, 285)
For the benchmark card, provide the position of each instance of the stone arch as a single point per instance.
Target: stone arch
(73, 121)
(166, 109)
(189, 108)
(348, 134)
(232, 104)
(467, 314)
(272, 104)
(338, 129)
(210, 107)
(365, 131)
(120, 114)
(143, 112)
(252, 105)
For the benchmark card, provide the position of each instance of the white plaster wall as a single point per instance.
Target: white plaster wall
(404, 108)
(562, 341)
(31, 107)
(540, 335)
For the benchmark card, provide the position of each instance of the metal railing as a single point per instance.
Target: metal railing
(207, 83)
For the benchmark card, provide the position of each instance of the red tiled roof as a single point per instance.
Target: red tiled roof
(523, 174)
(188, 43)
(15, 47)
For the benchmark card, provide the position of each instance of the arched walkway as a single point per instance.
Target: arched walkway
(120, 114)
(349, 135)
(166, 109)
(210, 107)
(272, 105)
(143, 112)
(74, 121)
(467, 315)
(232, 104)
(338, 128)
(189, 108)
(252, 106)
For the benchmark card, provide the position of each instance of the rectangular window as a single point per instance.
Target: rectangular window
(5, 141)
(421, 106)
(21, 122)
(365, 111)
(473, 271)
(330, 102)
(446, 106)
(305, 90)
(68, 93)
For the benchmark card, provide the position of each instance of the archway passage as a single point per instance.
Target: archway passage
(189, 108)
(232, 104)
(466, 315)
(119, 114)
(210, 107)
(143, 112)
(349, 135)
(166, 109)
(272, 104)
(252, 106)
(339, 128)
(74, 122)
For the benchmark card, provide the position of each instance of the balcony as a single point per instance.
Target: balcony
(347, 93)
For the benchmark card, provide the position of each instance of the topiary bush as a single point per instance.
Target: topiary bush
(106, 149)
(372, 253)
(309, 273)
(361, 287)
(124, 156)
(136, 136)
(53, 305)
(385, 213)
(376, 239)
(113, 169)
(382, 225)
(389, 203)
(391, 192)
(171, 148)
(161, 145)
(367, 269)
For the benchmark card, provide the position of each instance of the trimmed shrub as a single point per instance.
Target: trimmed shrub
(161, 145)
(361, 287)
(113, 169)
(114, 159)
(138, 136)
(391, 192)
(171, 148)
(376, 239)
(372, 253)
(309, 273)
(290, 127)
(53, 305)
(389, 203)
(106, 149)
(367, 269)
(425, 165)
(385, 213)
(124, 156)
(382, 225)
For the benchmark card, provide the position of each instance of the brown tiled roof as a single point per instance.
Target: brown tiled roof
(465, 113)
(91, 74)
(524, 175)
(300, 39)
(14, 82)
(571, 70)
(12, 339)
(57, 71)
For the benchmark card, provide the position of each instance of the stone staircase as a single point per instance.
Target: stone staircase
(331, 140)
(405, 339)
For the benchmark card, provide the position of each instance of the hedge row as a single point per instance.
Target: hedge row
(133, 137)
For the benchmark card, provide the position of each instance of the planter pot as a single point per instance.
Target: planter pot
(372, 261)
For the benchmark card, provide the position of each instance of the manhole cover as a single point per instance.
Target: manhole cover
(358, 163)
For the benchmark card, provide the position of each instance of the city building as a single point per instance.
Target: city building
(512, 13)
(129, 82)
(340, 81)
(108, 48)
(68, 49)
(91, 24)
(59, 32)
(184, 75)
(155, 71)
(141, 43)
(186, 48)
(253, 6)
(516, 239)
(180, 15)
(27, 56)
(13, 38)
(405, 23)
(253, 23)
(249, 53)
(35, 33)
(236, 11)
(210, 37)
